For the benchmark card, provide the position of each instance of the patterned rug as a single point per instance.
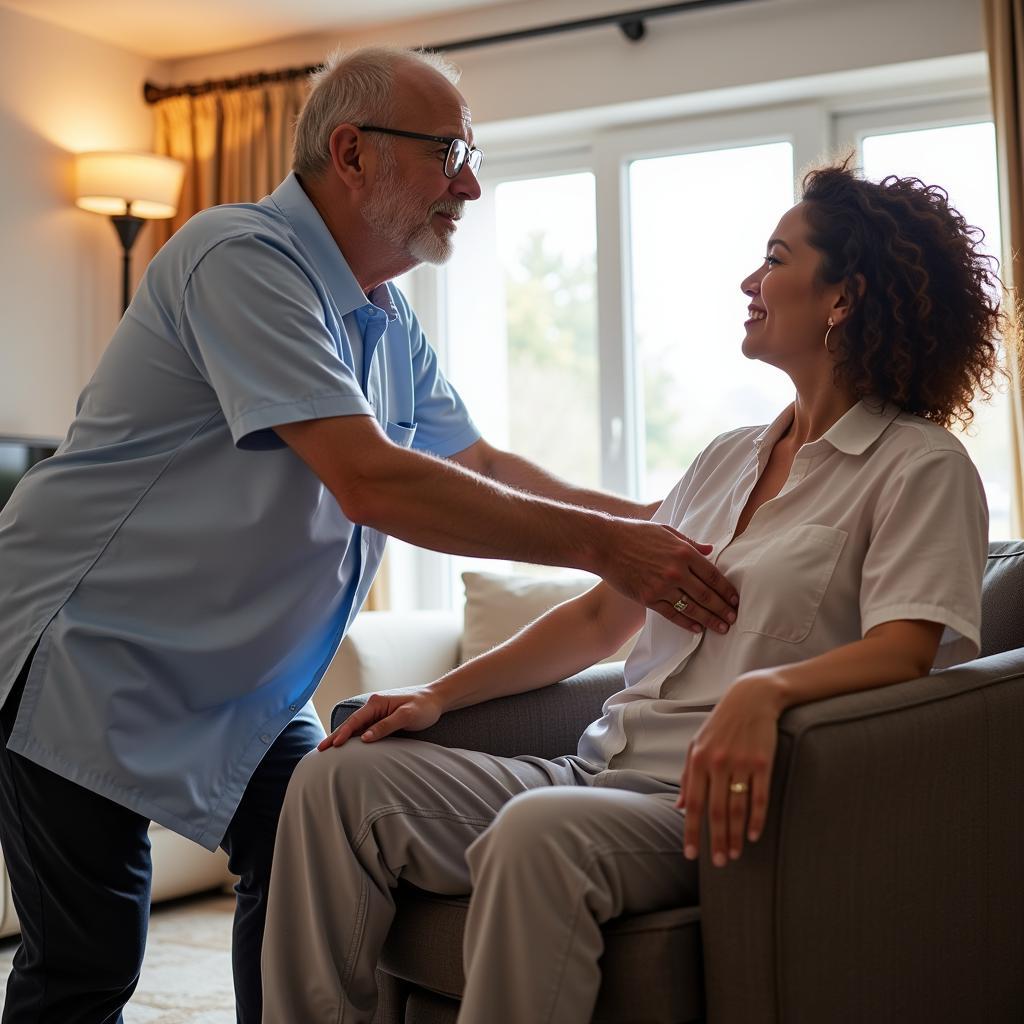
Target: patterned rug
(186, 978)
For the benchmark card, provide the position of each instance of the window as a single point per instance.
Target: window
(592, 316)
(522, 328)
(700, 222)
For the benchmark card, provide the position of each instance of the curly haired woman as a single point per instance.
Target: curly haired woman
(855, 529)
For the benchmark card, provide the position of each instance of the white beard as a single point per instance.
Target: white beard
(396, 215)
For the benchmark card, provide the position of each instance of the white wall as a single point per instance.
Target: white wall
(701, 52)
(60, 283)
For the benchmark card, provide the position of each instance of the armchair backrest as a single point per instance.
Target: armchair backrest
(1002, 598)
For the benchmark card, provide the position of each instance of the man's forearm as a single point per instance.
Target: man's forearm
(438, 505)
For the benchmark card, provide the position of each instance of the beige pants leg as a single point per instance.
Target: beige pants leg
(355, 820)
(554, 866)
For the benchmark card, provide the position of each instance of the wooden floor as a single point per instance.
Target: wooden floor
(186, 978)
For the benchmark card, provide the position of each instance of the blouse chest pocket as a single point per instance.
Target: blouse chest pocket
(783, 588)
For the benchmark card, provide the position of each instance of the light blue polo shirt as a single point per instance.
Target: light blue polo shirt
(186, 575)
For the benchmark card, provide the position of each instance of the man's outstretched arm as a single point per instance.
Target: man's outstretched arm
(437, 504)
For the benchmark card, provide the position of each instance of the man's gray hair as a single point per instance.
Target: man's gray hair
(354, 87)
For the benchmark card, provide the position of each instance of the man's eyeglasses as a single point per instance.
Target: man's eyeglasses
(459, 151)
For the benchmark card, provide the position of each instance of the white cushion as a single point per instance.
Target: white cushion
(498, 605)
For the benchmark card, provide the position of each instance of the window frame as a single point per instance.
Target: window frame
(814, 127)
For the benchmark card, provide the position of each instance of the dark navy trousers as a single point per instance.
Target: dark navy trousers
(80, 874)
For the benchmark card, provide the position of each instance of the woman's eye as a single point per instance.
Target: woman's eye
(772, 261)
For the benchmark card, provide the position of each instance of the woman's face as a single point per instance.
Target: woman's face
(789, 308)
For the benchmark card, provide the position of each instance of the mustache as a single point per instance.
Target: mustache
(452, 207)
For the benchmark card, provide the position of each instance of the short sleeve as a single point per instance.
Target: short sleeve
(926, 555)
(443, 423)
(255, 326)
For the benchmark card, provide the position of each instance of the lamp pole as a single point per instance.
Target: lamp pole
(127, 226)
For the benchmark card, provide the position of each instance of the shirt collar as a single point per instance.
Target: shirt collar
(298, 209)
(853, 433)
(860, 427)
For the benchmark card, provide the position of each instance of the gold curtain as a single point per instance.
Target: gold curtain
(237, 147)
(236, 144)
(1004, 30)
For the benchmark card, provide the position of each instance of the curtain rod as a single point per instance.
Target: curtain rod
(632, 24)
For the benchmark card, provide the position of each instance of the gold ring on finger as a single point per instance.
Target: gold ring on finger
(739, 787)
(681, 605)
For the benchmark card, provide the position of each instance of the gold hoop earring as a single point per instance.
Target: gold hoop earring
(831, 324)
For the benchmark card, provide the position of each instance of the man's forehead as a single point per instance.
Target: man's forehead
(438, 107)
(461, 125)
(454, 119)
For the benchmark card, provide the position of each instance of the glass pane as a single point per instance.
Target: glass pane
(962, 159)
(523, 327)
(700, 222)
(548, 250)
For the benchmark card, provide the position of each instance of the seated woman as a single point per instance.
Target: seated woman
(855, 529)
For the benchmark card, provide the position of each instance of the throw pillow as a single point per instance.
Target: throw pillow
(497, 606)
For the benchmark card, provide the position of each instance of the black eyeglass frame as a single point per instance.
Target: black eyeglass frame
(460, 152)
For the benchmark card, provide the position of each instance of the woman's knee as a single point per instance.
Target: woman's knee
(537, 824)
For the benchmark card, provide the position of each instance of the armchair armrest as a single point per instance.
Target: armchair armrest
(886, 884)
(545, 722)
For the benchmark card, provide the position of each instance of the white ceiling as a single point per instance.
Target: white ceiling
(187, 28)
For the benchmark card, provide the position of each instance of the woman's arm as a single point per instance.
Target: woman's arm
(570, 637)
(736, 744)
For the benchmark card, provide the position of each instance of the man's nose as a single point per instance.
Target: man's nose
(465, 184)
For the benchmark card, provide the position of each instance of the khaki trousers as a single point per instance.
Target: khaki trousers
(549, 850)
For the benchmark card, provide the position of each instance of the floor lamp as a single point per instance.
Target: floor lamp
(130, 188)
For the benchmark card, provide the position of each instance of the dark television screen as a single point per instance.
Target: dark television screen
(17, 456)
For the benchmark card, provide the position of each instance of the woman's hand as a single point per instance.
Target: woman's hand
(735, 745)
(385, 713)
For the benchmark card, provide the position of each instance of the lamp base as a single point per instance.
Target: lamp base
(127, 227)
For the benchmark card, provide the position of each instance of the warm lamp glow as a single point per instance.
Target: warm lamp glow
(108, 182)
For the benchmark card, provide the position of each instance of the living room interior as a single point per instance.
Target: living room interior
(633, 169)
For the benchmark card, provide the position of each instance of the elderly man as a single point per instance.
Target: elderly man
(178, 576)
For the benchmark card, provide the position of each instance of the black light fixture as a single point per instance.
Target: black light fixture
(130, 188)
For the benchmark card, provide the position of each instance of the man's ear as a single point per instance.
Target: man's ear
(852, 293)
(347, 156)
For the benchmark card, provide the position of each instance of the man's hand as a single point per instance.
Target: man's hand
(661, 569)
(385, 713)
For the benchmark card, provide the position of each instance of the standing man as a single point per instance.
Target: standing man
(175, 580)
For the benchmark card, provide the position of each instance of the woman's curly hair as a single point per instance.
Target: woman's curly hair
(923, 330)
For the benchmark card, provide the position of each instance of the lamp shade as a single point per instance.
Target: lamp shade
(108, 182)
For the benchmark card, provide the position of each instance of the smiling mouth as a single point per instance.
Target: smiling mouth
(756, 316)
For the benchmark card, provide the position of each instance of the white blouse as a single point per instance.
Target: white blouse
(882, 518)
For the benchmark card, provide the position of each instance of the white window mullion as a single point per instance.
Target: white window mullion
(622, 435)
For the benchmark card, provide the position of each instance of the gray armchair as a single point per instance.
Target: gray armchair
(886, 885)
